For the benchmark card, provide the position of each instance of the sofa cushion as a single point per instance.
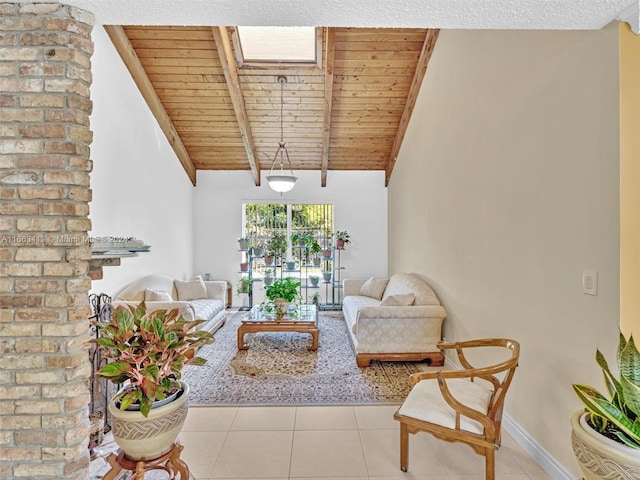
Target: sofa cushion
(151, 295)
(398, 300)
(134, 292)
(374, 287)
(191, 290)
(408, 283)
(206, 309)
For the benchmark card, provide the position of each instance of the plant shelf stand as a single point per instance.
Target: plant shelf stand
(247, 255)
(334, 293)
(170, 462)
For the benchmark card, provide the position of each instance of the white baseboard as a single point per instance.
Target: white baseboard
(554, 469)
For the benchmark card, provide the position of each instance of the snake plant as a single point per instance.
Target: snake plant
(619, 414)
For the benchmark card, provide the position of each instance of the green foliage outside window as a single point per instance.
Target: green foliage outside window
(264, 222)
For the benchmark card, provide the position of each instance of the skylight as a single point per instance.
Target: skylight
(277, 44)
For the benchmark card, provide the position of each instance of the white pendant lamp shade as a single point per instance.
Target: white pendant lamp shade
(281, 183)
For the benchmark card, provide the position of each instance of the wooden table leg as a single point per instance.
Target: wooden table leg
(314, 339)
(241, 344)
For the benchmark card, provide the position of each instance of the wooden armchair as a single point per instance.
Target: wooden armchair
(452, 406)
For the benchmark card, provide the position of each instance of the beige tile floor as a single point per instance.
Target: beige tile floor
(341, 443)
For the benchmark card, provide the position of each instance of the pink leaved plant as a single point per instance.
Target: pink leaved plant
(148, 351)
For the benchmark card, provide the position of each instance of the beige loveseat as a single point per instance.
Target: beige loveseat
(399, 318)
(196, 299)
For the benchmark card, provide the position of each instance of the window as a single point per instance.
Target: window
(262, 221)
(281, 45)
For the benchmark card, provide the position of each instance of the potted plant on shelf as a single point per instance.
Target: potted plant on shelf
(276, 246)
(269, 258)
(281, 293)
(257, 249)
(326, 276)
(244, 284)
(268, 277)
(342, 238)
(315, 298)
(243, 243)
(301, 239)
(314, 279)
(606, 435)
(315, 248)
(147, 352)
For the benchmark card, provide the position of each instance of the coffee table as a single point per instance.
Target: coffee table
(303, 320)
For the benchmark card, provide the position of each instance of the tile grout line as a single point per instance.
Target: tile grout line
(210, 476)
(293, 437)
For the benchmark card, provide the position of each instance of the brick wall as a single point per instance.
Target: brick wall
(45, 74)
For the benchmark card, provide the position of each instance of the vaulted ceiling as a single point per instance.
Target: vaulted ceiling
(219, 116)
(348, 113)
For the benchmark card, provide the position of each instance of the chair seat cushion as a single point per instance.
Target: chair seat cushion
(425, 402)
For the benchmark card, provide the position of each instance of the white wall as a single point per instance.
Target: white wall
(139, 188)
(510, 164)
(360, 200)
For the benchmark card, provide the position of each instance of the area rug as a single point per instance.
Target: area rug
(277, 369)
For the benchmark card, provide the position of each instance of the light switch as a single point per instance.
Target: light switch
(590, 282)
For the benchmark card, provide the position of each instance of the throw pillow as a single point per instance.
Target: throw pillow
(398, 300)
(191, 290)
(157, 295)
(374, 287)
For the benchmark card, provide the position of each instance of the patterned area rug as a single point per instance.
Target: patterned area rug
(277, 369)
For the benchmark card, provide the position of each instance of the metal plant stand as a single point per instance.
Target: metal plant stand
(99, 387)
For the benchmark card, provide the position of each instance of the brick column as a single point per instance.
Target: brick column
(45, 52)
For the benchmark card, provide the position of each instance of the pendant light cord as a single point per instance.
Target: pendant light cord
(282, 182)
(281, 112)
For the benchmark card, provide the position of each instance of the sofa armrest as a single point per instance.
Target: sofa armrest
(184, 308)
(217, 289)
(351, 286)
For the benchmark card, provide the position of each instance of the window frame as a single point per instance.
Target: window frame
(242, 63)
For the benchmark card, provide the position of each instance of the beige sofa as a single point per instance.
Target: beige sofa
(196, 299)
(399, 318)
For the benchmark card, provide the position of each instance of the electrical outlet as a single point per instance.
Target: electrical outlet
(590, 282)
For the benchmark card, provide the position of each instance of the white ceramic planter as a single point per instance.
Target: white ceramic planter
(149, 437)
(599, 457)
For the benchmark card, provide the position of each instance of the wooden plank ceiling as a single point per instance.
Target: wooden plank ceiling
(351, 114)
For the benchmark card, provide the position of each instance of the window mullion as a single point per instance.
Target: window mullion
(289, 231)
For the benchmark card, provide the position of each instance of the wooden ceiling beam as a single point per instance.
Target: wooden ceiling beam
(330, 42)
(130, 58)
(416, 83)
(227, 59)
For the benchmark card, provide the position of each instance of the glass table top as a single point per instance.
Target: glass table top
(296, 313)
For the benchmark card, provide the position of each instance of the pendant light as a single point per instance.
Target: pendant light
(281, 182)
